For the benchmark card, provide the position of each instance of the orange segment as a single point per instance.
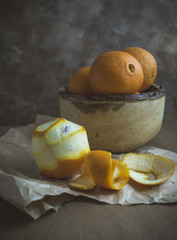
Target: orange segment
(102, 170)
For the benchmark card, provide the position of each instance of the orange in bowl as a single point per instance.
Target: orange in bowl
(148, 64)
(119, 116)
(79, 84)
(116, 72)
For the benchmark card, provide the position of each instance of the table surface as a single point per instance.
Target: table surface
(83, 218)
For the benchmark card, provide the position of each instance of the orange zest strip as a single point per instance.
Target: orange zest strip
(149, 169)
(119, 180)
(84, 181)
(100, 169)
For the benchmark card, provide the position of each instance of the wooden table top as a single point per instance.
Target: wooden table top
(84, 218)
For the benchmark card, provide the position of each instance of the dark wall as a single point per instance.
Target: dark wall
(42, 42)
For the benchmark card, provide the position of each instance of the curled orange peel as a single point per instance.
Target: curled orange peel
(84, 181)
(100, 169)
(149, 169)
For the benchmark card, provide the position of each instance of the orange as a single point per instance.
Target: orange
(60, 148)
(148, 64)
(115, 72)
(79, 84)
(103, 171)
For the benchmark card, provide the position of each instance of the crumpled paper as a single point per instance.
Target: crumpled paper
(22, 185)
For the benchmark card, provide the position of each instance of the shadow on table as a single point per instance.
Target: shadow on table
(11, 216)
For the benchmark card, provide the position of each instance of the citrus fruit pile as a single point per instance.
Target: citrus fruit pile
(61, 150)
(128, 71)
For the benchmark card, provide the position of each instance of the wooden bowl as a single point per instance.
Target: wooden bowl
(116, 123)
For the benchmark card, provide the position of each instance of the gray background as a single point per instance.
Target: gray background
(43, 42)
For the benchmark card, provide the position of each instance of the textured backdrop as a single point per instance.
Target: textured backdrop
(44, 41)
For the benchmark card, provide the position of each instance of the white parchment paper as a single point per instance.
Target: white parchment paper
(22, 185)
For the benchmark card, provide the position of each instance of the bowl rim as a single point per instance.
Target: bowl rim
(154, 92)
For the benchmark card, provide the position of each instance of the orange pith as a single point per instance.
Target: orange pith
(78, 83)
(59, 148)
(56, 121)
(142, 165)
(84, 181)
(115, 72)
(123, 176)
(148, 64)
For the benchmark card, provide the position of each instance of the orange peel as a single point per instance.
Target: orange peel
(149, 169)
(84, 181)
(103, 171)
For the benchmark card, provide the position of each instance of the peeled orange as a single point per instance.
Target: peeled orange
(59, 148)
